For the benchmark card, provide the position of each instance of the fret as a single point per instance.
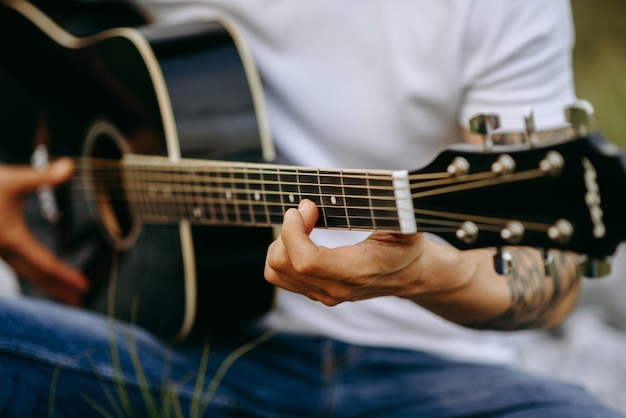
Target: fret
(309, 188)
(219, 195)
(333, 200)
(257, 196)
(230, 193)
(290, 188)
(133, 193)
(241, 196)
(369, 200)
(345, 197)
(165, 193)
(177, 189)
(358, 201)
(198, 212)
(148, 203)
(153, 201)
(137, 193)
(383, 203)
(207, 197)
(177, 186)
(265, 195)
(274, 204)
(186, 186)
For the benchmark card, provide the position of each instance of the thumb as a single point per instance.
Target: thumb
(26, 179)
(309, 213)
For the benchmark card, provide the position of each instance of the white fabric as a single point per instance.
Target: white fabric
(386, 84)
(9, 284)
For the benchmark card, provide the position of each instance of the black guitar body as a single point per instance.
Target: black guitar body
(181, 92)
(139, 107)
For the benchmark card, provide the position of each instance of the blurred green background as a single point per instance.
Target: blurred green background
(600, 62)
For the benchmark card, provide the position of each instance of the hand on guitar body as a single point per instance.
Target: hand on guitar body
(460, 285)
(18, 246)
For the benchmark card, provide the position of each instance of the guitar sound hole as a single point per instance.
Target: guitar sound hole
(104, 150)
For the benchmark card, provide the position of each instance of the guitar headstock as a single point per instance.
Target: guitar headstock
(563, 194)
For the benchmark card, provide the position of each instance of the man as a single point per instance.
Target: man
(366, 325)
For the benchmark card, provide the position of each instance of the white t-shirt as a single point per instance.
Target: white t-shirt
(387, 84)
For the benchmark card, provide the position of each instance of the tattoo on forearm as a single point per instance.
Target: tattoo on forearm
(535, 297)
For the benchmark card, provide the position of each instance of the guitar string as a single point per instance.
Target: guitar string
(221, 167)
(184, 183)
(183, 180)
(213, 192)
(255, 204)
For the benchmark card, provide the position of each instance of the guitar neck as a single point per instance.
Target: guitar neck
(251, 194)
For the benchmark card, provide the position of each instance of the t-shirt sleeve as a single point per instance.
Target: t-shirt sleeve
(518, 55)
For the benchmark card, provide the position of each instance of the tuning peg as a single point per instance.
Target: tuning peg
(459, 167)
(504, 165)
(552, 164)
(467, 232)
(548, 262)
(561, 232)
(484, 124)
(594, 267)
(580, 115)
(531, 129)
(503, 261)
(513, 232)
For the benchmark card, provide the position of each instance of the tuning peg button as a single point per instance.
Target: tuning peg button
(561, 232)
(459, 167)
(484, 124)
(580, 115)
(548, 262)
(594, 267)
(467, 232)
(504, 165)
(513, 232)
(531, 129)
(552, 164)
(503, 261)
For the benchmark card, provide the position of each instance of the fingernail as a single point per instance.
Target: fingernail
(61, 167)
(304, 205)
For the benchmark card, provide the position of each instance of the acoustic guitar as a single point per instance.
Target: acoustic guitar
(175, 197)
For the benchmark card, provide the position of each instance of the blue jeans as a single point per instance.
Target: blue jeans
(56, 361)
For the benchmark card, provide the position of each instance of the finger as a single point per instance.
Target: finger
(309, 212)
(279, 269)
(56, 279)
(25, 179)
(297, 225)
(55, 289)
(305, 288)
(327, 291)
(36, 263)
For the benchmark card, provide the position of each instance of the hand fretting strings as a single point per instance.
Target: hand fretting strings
(219, 192)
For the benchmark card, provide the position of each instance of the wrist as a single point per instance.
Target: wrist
(461, 286)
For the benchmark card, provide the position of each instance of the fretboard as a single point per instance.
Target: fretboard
(249, 194)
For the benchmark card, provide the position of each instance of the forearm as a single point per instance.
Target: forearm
(526, 298)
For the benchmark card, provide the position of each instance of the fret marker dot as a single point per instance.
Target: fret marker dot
(197, 212)
(229, 194)
(333, 200)
(292, 198)
(257, 196)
